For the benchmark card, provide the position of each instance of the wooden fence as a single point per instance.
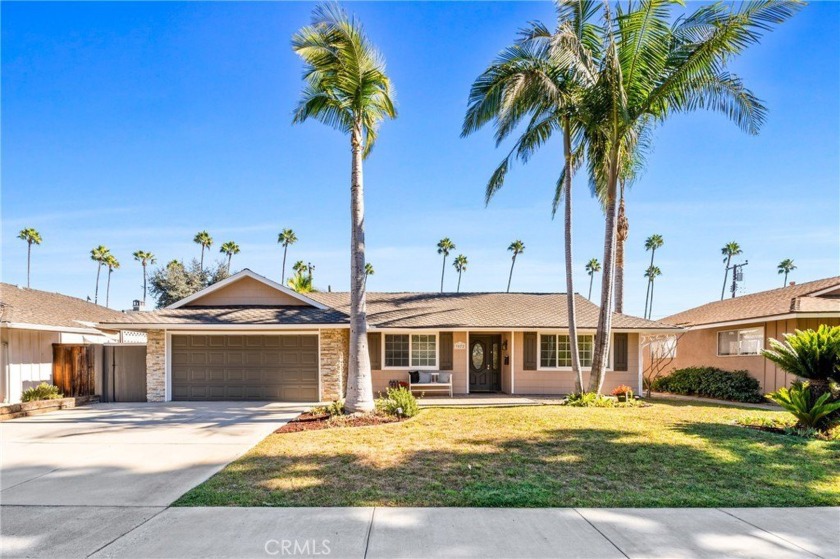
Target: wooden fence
(73, 371)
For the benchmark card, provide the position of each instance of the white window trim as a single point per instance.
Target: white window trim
(738, 330)
(409, 367)
(542, 333)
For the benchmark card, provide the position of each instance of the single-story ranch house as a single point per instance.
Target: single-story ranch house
(248, 337)
(730, 334)
(42, 331)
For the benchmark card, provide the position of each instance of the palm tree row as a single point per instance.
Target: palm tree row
(601, 78)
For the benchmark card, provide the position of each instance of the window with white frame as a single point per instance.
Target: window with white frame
(664, 348)
(556, 351)
(410, 351)
(746, 341)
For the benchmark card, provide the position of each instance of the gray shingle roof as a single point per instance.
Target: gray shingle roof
(405, 310)
(31, 306)
(793, 298)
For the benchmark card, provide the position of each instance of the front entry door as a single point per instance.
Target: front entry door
(485, 362)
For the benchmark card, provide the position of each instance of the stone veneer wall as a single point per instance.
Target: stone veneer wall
(155, 366)
(335, 352)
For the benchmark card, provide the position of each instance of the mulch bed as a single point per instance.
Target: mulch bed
(311, 422)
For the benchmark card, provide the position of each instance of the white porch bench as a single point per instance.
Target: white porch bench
(435, 384)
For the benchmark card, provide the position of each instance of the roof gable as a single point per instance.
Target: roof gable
(246, 288)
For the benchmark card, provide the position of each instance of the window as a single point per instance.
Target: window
(556, 350)
(403, 351)
(749, 341)
(664, 348)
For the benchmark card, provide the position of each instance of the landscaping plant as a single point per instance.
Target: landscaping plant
(809, 354)
(399, 402)
(738, 386)
(810, 411)
(43, 391)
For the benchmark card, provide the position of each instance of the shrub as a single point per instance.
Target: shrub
(810, 412)
(589, 400)
(334, 409)
(738, 386)
(399, 402)
(809, 354)
(43, 391)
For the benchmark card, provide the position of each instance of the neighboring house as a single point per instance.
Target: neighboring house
(247, 337)
(730, 334)
(37, 325)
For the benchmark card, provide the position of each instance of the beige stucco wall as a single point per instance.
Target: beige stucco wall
(563, 382)
(460, 377)
(698, 348)
(246, 291)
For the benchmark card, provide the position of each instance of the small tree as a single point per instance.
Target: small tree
(173, 282)
(813, 355)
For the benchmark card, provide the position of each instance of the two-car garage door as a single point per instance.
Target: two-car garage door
(245, 367)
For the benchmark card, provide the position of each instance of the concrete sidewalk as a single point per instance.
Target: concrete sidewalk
(201, 532)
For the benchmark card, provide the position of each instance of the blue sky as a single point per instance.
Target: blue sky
(136, 125)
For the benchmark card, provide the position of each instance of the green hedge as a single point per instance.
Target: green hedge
(738, 386)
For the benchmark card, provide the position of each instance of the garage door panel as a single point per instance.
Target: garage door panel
(219, 367)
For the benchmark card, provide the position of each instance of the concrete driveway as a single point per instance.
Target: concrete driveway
(128, 454)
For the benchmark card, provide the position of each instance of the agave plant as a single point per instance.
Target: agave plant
(809, 354)
(810, 412)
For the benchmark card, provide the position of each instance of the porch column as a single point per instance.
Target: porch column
(512, 362)
(156, 366)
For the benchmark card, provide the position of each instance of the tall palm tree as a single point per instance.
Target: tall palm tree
(229, 248)
(301, 282)
(785, 267)
(286, 237)
(651, 274)
(444, 247)
(592, 268)
(347, 88)
(517, 247)
(460, 264)
(652, 243)
(32, 237)
(622, 231)
(533, 81)
(144, 258)
(112, 263)
(99, 255)
(729, 250)
(299, 267)
(652, 66)
(204, 239)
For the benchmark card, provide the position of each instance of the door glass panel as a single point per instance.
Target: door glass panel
(478, 355)
(494, 356)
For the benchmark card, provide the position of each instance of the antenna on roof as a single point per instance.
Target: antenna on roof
(737, 275)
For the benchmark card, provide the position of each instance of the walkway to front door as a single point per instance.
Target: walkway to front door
(485, 359)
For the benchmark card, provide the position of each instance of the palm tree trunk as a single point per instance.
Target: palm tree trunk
(96, 292)
(510, 276)
(359, 382)
(650, 310)
(784, 283)
(458, 290)
(228, 266)
(201, 264)
(29, 260)
(283, 272)
(570, 287)
(442, 271)
(647, 291)
(591, 279)
(602, 337)
(144, 285)
(108, 290)
(725, 276)
(619, 255)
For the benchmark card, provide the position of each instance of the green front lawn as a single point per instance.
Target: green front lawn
(672, 454)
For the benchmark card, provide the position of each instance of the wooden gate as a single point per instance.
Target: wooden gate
(73, 369)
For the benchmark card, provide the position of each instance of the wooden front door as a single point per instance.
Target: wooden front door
(485, 357)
